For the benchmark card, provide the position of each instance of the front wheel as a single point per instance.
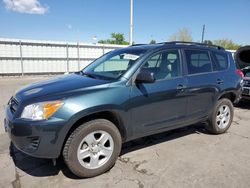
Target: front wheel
(221, 117)
(92, 148)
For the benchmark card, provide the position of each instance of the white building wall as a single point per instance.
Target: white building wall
(33, 56)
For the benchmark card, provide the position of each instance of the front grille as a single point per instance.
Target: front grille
(13, 103)
(247, 83)
(246, 91)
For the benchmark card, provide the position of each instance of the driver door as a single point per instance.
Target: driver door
(161, 104)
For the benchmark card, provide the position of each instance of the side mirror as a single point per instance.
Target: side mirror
(145, 77)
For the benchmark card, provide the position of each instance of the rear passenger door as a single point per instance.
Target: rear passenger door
(203, 83)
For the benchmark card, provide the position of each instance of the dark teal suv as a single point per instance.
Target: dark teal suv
(125, 94)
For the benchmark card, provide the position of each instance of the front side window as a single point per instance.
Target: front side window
(164, 65)
(114, 64)
(154, 61)
(198, 61)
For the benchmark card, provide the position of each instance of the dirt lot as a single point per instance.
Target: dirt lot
(188, 157)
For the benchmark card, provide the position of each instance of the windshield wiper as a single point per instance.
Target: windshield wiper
(88, 74)
(96, 76)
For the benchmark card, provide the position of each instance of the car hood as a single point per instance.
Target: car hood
(59, 86)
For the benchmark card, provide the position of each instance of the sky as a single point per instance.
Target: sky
(81, 20)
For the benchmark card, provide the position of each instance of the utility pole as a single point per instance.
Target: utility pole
(21, 55)
(131, 23)
(203, 32)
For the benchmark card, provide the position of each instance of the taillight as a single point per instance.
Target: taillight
(240, 73)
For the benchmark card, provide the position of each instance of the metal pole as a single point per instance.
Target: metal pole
(78, 56)
(131, 23)
(67, 51)
(103, 50)
(203, 32)
(103, 68)
(21, 56)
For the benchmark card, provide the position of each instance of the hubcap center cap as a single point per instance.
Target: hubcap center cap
(94, 149)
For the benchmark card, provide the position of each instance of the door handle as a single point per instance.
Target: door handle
(181, 87)
(219, 81)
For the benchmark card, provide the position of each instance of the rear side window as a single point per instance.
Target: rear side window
(221, 61)
(198, 61)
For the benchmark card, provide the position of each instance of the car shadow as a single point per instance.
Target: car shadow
(38, 167)
(243, 104)
(44, 167)
(155, 139)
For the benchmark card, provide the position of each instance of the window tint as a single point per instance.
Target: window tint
(164, 65)
(154, 61)
(198, 61)
(116, 63)
(221, 62)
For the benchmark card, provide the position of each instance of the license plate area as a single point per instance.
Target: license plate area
(246, 91)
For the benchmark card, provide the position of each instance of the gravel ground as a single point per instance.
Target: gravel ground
(187, 157)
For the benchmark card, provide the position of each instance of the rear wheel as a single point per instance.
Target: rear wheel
(92, 148)
(221, 117)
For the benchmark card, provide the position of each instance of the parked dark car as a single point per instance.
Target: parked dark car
(125, 94)
(242, 57)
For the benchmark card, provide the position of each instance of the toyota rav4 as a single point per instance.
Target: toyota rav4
(127, 93)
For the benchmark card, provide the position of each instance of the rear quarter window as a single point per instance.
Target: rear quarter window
(220, 61)
(198, 61)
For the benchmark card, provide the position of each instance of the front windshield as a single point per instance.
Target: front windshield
(113, 64)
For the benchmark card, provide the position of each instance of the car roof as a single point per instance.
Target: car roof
(176, 44)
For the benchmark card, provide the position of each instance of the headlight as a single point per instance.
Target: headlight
(40, 111)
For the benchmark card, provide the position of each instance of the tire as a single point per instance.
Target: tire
(223, 109)
(92, 148)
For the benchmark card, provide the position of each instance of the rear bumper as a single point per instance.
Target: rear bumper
(238, 95)
(41, 139)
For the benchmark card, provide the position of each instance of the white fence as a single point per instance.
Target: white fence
(19, 57)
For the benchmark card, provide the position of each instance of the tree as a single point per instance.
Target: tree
(209, 42)
(152, 42)
(227, 44)
(182, 35)
(116, 38)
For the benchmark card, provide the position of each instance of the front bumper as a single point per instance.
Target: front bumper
(246, 88)
(245, 92)
(43, 139)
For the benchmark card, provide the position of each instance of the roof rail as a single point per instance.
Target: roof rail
(195, 43)
(137, 44)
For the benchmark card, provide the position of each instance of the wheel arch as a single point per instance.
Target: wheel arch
(228, 95)
(109, 115)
